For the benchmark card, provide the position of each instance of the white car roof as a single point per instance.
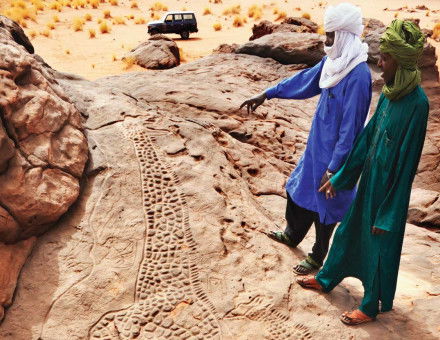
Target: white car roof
(179, 12)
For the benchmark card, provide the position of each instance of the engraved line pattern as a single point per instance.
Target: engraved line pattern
(169, 300)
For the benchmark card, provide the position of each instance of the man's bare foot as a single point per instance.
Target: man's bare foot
(309, 282)
(355, 317)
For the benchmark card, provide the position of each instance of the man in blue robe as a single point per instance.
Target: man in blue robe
(343, 81)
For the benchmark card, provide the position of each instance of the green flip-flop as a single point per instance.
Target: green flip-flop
(306, 266)
(281, 237)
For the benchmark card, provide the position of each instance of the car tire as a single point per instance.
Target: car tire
(184, 35)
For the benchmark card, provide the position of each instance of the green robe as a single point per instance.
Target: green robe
(385, 157)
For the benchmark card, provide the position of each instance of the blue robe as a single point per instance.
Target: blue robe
(339, 118)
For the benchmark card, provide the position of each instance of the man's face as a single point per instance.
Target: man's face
(389, 67)
(329, 38)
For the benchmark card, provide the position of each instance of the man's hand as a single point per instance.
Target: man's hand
(330, 192)
(377, 231)
(326, 177)
(254, 102)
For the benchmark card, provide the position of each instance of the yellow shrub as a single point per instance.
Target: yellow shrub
(217, 26)
(56, 18)
(38, 5)
(93, 65)
(298, 9)
(232, 10)
(94, 3)
(67, 51)
(77, 24)
(182, 55)
(88, 17)
(32, 34)
(238, 21)
(436, 31)
(140, 21)
(207, 11)
(92, 33)
(130, 16)
(255, 12)
(275, 10)
(281, 15)
(100, 20)
(306, 16)
(427, 14)
(218, 1)
(396, 14)
(129, 62)
(51, 26)
(158, 6)
(119, 21)
(55, 5)
(321, 30)
(113, 2)
(45, 33)
(106, 14)
(114, 58)
(134, 4)
(104, 27)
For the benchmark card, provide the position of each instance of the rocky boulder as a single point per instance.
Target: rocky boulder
(43, 151)
(424, 208)
(372, 32)
(287, 48)
(295, 24)
(158, 52)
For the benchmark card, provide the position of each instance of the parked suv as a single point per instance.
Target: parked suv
(182, 23)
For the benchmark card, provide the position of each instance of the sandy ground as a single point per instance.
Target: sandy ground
(70, 51)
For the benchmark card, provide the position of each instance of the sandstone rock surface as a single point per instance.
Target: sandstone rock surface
(158, 52)
(43, 152)
(295, 24)
(287, 47)
(167, 239)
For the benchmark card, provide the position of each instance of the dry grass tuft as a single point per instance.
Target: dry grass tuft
(140, 21)
(106, 14)
(217, 26)
(104, 27)
(129, 62)
(56, 18)
(182, 56)
(87, 17)
(281, 16)
(234, 10)
(114, 58)
(50, 25)
(92, 33)
(32, 34)
(436, 31)
(207, 11)
(78, 24)
(130, 16)
(67, 51)
(45, 33)
(218, 1)
(158, 6)
(321, 30)
(118, 21)
(113, 2)
(238, 21)
(255, 12)
(396, 14)
(134, 4)
(306, 15)
(94, 3)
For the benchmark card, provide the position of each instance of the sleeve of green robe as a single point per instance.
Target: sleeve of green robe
(347, 177)
(393, 211)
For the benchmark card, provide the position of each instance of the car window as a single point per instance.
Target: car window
(169, 18)
(177, 17)
(188, 17)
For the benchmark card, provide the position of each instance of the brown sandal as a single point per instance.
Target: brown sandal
(357, 317)
(309, 282)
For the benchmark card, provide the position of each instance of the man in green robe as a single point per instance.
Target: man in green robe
(367, 244)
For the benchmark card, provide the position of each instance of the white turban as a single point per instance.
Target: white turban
(343, 17)
(347, 50)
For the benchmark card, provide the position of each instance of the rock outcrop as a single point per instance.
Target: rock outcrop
(43, 151)
(158, 52)
(291, 24)
(287, 48)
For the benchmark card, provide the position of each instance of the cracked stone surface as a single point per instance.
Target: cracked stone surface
(43, 152)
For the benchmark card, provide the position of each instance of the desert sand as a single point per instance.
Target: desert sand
(74, 52)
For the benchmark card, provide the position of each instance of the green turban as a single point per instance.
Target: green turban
(404, 41)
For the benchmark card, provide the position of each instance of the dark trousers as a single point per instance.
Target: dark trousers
(299, 221)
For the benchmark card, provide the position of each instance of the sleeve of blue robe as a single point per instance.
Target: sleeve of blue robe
(347, 177)
(356, 101)
(302, 85)
(393, 211)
